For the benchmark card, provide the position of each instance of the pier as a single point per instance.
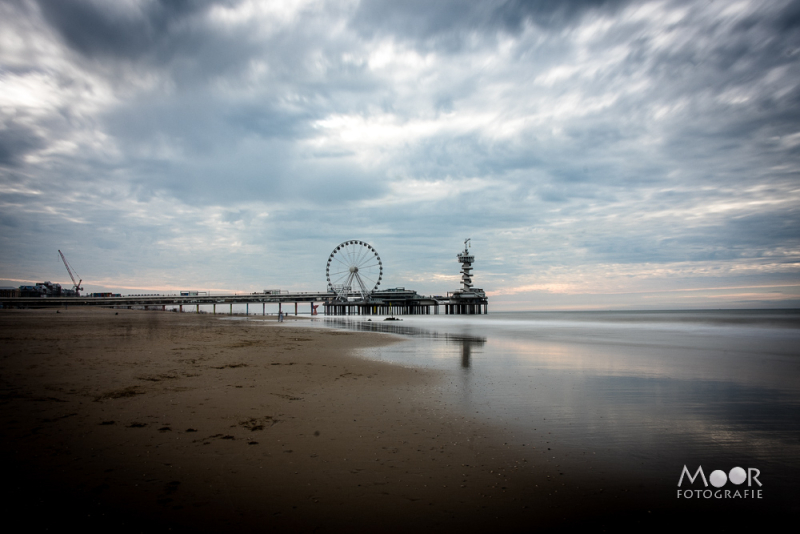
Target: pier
(388, 302)
(354, 273)
(184, 303)
(401, 301)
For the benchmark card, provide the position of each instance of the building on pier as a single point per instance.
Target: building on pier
(468, 300)
(395, 301)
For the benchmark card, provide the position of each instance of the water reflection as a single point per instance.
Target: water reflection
(465, 342)
(640, 392)
(403, 330)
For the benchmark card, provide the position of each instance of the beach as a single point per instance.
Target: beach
(151, 421)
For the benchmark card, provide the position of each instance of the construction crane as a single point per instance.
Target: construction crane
(76, 285)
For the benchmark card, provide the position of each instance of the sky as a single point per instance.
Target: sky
(600, 154)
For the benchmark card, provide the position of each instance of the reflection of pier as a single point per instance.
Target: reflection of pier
(411, 331)
(467, 343)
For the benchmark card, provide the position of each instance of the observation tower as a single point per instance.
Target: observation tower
(468, 300)
(466, 259)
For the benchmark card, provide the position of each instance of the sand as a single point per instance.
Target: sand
(151, 421)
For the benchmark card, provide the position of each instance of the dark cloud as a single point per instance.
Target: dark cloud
(16, 140)
(189, 125)
(763, 231)
(553, 14)
(788, 18)
(10, 222)
(420, 19)
(171, 40)
(122, 30)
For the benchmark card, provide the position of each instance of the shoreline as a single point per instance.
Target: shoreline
(164, 421)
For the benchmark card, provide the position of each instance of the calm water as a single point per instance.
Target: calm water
(643, 393)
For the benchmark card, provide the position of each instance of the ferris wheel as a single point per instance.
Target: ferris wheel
(354, 267)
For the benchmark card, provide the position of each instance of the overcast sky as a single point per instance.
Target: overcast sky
(600, 154)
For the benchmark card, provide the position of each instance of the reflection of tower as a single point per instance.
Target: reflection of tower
(466, 352)
(466, 259)
(467, 344)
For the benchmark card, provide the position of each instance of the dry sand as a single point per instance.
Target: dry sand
(149, 421)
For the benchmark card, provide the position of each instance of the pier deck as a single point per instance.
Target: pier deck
(387, 302)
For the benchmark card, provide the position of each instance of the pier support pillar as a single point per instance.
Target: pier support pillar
(295, 309)
(180, 308)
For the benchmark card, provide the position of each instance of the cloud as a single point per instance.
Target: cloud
(16, 140)
(449, 20)
(126, 30)
(562, 137)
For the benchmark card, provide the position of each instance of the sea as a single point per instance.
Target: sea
(636, 394)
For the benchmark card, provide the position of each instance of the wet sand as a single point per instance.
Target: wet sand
(151, 421)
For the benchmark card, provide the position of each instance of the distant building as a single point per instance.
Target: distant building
(45, 289)
(9, 292)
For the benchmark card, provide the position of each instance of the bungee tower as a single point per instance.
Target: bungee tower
(468, 300)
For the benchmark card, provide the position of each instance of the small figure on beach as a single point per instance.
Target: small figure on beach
(280, 316)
